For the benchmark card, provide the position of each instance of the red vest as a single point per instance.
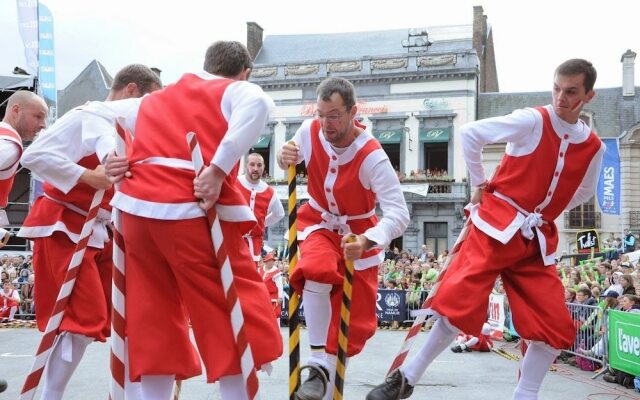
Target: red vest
(551, 175)
(81, 194)
(7, 182)
(272, 288)
(165, 117)
(10, 301)
(258, 201)
(334, 187)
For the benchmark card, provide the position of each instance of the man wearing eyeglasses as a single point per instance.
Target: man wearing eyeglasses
(348, 173)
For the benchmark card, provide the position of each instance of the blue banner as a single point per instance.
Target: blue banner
(608, 191)
(46, 60)
(391, 305)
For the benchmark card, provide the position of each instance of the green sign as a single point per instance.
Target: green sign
(435, 135)
(624, 341)
(263, 142)
(389, 137)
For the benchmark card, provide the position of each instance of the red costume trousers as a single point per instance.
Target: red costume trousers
(172, 279)
(321, 260)
(88, 311)
(535, 293)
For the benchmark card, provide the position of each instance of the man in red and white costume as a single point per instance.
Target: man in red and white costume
(262, 200)
(348, 173)
(9, 302)
(172, 273)
(482, 343)
(552, 163)
(24, 118)
(272, 277)
(67, 158)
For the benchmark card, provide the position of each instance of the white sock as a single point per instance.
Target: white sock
(438, 339)
(536, 363)
(331, 367)
(12, 312)
(317, 314)
(65, 357)
(157, 387)
(232, 387)
(471, 342)
(132, 390)
(317, 311)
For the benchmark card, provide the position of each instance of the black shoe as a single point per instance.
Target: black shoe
(395, 387)
(609, 378)
(467, 349)
(456, 349)
(315, 386)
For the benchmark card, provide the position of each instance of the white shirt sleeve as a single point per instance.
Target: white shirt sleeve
(395, 215)
(246, 108)
(278, 281)
(53, 155)
(99, 122)
(587, 187)
(275, 212)
(10, 154)
(515, 127)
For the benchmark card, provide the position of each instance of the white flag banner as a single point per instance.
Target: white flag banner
(28, 27)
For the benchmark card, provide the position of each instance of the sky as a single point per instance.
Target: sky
(531, 38)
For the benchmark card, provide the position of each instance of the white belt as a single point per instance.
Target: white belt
(338, 223)
(168, 162)
(532, 220)
(103, 218)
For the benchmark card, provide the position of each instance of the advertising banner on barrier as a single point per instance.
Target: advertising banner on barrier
(284, 313)
(496, 315)
(391, 305)
(624, 341)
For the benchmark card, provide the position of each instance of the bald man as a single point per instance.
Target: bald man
(262, 200)
(24, 118)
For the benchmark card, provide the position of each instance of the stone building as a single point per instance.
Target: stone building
(415, 88)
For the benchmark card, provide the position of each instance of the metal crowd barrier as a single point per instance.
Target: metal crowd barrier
(591, 342)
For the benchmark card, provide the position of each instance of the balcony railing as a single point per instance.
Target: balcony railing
(582, 219)
(426, 191)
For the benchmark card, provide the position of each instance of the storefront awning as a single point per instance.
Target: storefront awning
(435, 135)
(393, 136)
(263, 142)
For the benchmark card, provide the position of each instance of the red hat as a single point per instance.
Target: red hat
(268, 257)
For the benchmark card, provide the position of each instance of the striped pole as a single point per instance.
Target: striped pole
(247, 365)
(118, 290)
(343, 335)
(51, 331)
(422, 317)
(177, 390)
(294, 298)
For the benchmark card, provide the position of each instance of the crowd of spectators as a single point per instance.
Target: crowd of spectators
(17, 282)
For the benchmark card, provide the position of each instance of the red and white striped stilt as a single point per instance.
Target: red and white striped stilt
(422, 315)
(51, 331)
(243, 347)
(118, 290)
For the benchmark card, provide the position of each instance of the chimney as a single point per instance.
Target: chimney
(628, 65)
(254, 38)
(479, 29)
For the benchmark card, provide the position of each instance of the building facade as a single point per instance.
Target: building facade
(415, 87)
